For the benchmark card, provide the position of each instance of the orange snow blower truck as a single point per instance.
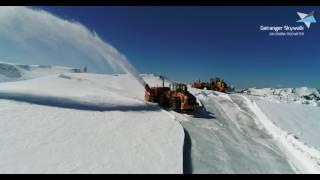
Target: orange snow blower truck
(175, 97)
(216, 84)
(200, 85)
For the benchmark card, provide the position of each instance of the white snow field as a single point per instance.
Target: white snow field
(234, 135)
(85, 123)
(301, 120)
(43, 139)
(301, 95)
(226, 139)
(303, 158)
(58, 121)
(16, 72)
(292, 116)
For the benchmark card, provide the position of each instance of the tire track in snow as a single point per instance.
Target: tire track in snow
(304, 159)
(255, 122)
(226, 148)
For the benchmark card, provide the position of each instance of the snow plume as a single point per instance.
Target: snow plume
(31, 35)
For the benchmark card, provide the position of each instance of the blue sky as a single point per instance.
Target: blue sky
(188, 43)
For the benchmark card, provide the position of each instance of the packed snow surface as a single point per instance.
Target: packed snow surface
(44, 139)
(225, 138)
(85, 123)
(257, 134)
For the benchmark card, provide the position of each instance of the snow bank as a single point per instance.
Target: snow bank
(56, 86)
(46, 139)
(79, 91)
(85, 123)
(301, 120)
(199, 93)
(155, 80)
(241, 116)
(305, 159)
(225, 138)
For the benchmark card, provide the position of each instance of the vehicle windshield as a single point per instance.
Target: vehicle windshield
(181, 88)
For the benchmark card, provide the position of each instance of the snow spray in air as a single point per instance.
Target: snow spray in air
(37, 34)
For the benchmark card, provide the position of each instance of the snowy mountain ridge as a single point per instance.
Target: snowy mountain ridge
(300, 95)
(16, 72)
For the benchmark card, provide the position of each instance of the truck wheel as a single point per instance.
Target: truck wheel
(175, 104)
(178, 105)
(162, 101)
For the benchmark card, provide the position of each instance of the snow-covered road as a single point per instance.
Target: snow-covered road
(225, 139)
(233, 135)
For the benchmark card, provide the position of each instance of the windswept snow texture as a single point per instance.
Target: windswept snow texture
(85, 123)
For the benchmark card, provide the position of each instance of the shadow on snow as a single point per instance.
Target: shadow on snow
(75, 104)
(187, 161)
